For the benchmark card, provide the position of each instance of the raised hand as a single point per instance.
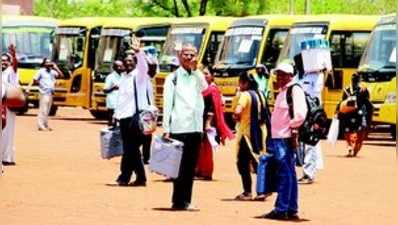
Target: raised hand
(135, 44)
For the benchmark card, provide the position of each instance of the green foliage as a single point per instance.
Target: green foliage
(77, 8)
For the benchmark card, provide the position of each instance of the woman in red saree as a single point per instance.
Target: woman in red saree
(213, 117)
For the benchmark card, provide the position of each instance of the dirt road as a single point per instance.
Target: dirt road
(60, 180)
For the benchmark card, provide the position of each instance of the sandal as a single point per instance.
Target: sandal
(244, 197)
(262, 197)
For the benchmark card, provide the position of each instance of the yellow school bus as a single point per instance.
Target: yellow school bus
(75, 45)
(32, 37)
(378, 71)
(204, 32)
(249, 41)
(347, 35)
(114, 41)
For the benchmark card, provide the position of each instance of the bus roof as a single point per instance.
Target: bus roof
(216, 23)
(137, 22)
(273, 20)
(87, 22)
(32, 21)
(387, 19)
(341, 21)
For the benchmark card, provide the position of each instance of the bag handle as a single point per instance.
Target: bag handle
(135, 96)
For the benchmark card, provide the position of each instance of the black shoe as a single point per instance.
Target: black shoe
(274, 215)
(138, 184)
(293, 216)
(9, 163)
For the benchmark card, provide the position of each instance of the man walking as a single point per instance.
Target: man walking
(183, 121)
(45, 78)
(284, 130)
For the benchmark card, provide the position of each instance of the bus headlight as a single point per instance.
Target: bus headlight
(391, 97)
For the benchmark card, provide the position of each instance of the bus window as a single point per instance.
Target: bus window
(67, 53)
(273, 46)
(211, 51)
(346, 51)
(347, 48)
(177, 37)
(240, 46)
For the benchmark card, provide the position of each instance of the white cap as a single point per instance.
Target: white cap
(285, 67)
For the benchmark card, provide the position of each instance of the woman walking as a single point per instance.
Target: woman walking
(355, 114)
(213, 119)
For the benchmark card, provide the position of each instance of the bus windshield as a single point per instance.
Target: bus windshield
(177, 37)
(69, 48)
(240, 46)
(32, 44)
(299, 34)
(110, 48)
(381, 51)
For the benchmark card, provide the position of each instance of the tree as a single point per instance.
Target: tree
(182, 8)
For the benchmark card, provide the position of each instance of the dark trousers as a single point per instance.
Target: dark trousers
(287, 200)
(245, 163)
(182, 185)
(146, 148)
(110, 116)
(131, 159)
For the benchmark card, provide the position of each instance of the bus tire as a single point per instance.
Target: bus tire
(99, 115)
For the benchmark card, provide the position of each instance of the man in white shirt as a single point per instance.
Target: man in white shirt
(46, 78)
(13, 97)
(9, 65)
(183, 108)
(111, 88)
(134, 95)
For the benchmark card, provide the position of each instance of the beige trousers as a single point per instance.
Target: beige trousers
(44, 109)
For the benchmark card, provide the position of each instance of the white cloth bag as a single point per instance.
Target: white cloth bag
(166, 157)
(333, 131)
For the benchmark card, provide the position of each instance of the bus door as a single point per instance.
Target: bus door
(346, 50)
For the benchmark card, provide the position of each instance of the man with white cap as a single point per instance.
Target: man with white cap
(284, 132)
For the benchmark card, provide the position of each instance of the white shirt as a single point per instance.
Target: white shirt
(46, 80)
(113, 79)
(125, 106)
(183, 103)
(10, 77)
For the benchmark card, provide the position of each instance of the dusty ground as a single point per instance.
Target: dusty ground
(60, 180)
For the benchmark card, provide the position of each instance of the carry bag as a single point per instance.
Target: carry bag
(166, 157)
(143, 120)
(111, 142)
(266, 175)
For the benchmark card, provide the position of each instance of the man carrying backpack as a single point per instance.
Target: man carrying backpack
(284, 131)
(312, 84)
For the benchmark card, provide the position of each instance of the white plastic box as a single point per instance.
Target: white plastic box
(111, 143)
(316, 55)
(166, 157)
